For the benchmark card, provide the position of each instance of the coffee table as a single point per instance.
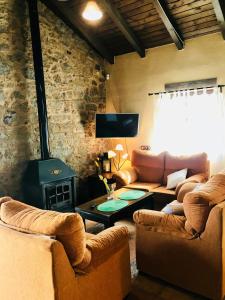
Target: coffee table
(89, 209)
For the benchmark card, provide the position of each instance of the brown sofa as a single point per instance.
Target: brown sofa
(149, 171)
(187, 250)
(45, 255)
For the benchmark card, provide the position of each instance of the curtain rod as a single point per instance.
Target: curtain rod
(200, 88)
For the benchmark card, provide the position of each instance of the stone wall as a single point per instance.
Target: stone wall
(75, 90)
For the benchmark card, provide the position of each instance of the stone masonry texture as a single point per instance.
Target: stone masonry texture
(75, 91)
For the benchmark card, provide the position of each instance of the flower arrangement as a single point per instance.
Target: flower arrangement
(109, 188)
(97, 163)
(118, 159)
(105, 182)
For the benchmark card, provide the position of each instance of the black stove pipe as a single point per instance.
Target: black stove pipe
(39, 78)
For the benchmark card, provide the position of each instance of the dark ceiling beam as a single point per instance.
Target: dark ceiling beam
(169, 23)
(121, 23)
(70, 20)
(219, 8)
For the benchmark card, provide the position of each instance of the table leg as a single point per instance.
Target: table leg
(84, 223)
(108, 224)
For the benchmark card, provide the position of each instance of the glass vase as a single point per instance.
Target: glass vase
(110, 191)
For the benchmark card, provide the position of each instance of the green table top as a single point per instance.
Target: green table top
(131, 195)
(112, 205)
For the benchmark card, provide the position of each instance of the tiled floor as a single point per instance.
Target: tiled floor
(145, 287)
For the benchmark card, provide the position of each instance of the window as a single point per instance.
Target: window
(188, 122)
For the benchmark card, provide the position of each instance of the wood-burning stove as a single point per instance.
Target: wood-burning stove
(48, 183)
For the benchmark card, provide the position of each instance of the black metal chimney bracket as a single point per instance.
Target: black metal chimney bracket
(39, 77)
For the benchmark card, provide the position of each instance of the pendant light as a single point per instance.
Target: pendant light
(92, 11)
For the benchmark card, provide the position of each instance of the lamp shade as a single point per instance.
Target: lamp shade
(111, 154)
(119, 147)
(92, 11)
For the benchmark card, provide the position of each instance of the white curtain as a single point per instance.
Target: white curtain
(189, 122)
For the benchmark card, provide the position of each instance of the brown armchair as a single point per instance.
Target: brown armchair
(48, 255)
(187, 250)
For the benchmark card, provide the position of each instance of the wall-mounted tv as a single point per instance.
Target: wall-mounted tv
(122, 125)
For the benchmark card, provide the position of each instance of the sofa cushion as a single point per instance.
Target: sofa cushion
(146, 186)
(163, 190)
(197, 178)
(175, 178)
(194, 163)
(186, 188)
(197, 204)
(68, 228)
(174, 208)
(149, 166)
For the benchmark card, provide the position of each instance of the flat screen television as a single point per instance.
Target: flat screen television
(122, 125)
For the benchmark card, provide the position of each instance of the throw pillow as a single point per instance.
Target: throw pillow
(175, 178)
(174, 208)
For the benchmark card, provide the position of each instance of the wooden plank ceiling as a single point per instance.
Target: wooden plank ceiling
(136, 25)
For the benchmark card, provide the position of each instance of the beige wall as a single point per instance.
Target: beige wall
(132, 77)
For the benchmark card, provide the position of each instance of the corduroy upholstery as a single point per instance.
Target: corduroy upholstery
(68, 228)
(34, 256)
(187, 250)
(198, 204)
(197, 178)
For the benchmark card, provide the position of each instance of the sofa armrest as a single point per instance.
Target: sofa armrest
(126, 176)
(158, 221)
(197, 178)
(104, 245)
(5, 199)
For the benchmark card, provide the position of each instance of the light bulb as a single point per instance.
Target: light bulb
(92, 11)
